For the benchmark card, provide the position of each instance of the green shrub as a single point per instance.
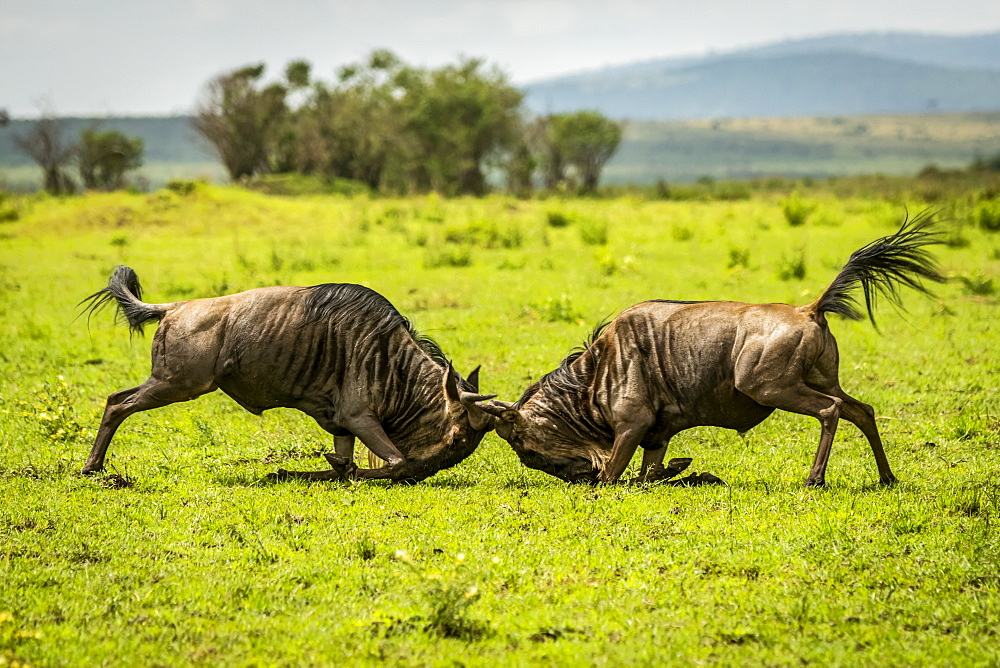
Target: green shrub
(557, 219)
(987, 215)
(9, 212)
(796, 210)
(792, 267)
(448, 256)
(485, 235)
(978, 284)
(553, 309)
(593, 232)
(182, 186)
(739, 257)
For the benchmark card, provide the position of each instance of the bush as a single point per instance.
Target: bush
(485, 235)
(796, 211)
(9, 212)
(987, 215)
(558, 219)
(739, 257)
(553, 309)
(792, 268)
(594, 232)
(448, 256)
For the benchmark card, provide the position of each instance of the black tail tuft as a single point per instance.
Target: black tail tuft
(882, 267)
(123, 287)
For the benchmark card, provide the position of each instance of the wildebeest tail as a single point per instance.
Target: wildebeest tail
(881, 267)
(124, 288)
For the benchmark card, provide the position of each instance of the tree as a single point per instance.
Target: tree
(45, 145)
(458, 116)
(104, 158)
(240, 119)
(585, 140)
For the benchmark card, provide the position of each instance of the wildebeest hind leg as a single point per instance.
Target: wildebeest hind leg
(863, 416)
(802, 399)
(153, 393)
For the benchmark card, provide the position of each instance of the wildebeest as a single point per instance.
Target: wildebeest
(663, 366)
(341, 353)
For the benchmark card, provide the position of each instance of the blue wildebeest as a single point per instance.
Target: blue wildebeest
(340, 353)
(661, 367)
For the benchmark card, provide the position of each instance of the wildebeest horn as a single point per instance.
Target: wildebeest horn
(478, 418)
(495, 408)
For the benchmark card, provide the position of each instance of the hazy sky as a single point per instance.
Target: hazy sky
(116, 57)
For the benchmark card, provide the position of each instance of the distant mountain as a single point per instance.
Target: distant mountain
(834, 75)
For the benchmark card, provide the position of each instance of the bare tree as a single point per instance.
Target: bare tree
(45, 146)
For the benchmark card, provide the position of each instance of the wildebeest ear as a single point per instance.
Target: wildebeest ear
(451, 384)
(510, 415)
(473, 379)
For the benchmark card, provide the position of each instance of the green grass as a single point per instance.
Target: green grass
(187, 559)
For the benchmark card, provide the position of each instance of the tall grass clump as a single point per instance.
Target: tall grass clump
(792, 267)
(738, 257)
(485, 234)
(557, 219)
(978, 285)
(448, 255)
(553, 309)
(796, 210)
(593, 232)
(987, 215)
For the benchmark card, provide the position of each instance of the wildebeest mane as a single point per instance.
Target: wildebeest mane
(562, 378)
(351, 302)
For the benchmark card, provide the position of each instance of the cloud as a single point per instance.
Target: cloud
(540, 19)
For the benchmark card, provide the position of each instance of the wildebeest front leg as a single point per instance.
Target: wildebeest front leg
(627, 439)
(652, 459)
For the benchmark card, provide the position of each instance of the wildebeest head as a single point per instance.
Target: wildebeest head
(445, 433)
(470, 420)
(546, 442)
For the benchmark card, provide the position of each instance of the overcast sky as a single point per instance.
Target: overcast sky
(118, 57)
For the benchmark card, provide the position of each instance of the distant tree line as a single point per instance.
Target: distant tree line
(399, 128)
(102, 159)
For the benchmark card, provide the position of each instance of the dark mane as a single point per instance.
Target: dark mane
(562, 378)
(680, 301)
(357, 304)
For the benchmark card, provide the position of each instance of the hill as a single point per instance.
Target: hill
(834, 75)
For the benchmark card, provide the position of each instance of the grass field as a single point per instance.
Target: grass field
(196, 562)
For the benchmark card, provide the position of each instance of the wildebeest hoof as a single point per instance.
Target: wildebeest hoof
(89, 471)
(695, 479)
(706, 478)
(815, 483)
(659, 472)
(676, 466)
(278, 476)
(342, 465)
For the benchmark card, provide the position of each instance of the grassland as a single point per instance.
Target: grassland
(834, 146)
(194, 562)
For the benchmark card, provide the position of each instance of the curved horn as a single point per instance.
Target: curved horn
(479, 419)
